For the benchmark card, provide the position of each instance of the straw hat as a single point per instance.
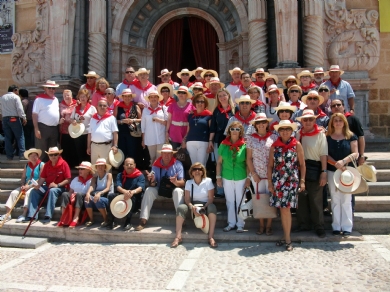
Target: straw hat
(154, 92)
(307, 113)
(291, 77)
(183, 88)
(198, 85)
(101, 161)
(209, 70)
(127, 91)
(50, 83)
(368, 172)
(185, 71)
(53, 150)
(274, 77)
(86, 165)
(320, 70)
(304, 73)
(141, 70)
(347, 181)
(119, 207)
(286, 106)
(32, 150)
(363, 187)
(198, 69)
(244, 98)
(164, 72)
(335, 68)
(259, 70)
(166, 148)
(92, 74)
(161, 85)
(214, 80)
(235, 70)
(202, 222)
(117, 159)
(273, 87)
(313, 93)
(77, 130)
(261, 117)
(285, 124)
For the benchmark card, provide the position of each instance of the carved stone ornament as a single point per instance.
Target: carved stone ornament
(353, 39)
(31, 51)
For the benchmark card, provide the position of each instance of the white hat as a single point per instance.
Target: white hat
(286, 106)
(197, 69)
(117, 159)
(347, 181)
(335, 68)
(119, 207)
(214, 80)
(304, 73)
(166, 148)
(127, 91)
(202, 222)
(273, 87)
(92, 74)
(86, 165)
(285, 124)
(307, 113)
(291, 77)
(32, 150)
(209, 70)
(141, 70)
(169, 86)
(198, 85)
(53, 150)
(154, 92)
(235, 70)
(244, 98)
(164, 72)
(320, 70)
(313, 93)
(368, 172)
(101, 161)
(259, 70)
(50, 83)
(185, 71)
(184, 88)
(274, 77)
(77, 130)
(261, 117)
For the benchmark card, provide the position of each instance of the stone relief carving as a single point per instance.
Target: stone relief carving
(29, 63)
(353, 39)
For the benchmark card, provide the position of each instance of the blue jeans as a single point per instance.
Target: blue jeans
(36, 196)
(13, 130)
(101, 204)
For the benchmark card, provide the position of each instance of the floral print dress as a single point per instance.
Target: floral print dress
(285, 178)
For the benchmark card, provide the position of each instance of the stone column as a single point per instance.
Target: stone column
(286, 18)
(62, 20)
(258, 56)
(97, 56)
(313, 33)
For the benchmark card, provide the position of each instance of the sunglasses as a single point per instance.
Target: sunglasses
(185, 74)
(234, 129)
(208, 75)
(165, 90)
(291, 81)
(103, 105)
(284, 129)
(323, 90)
(308, 119)
(336, 105)
(55, 154)
(195, 88)
(245, 102)
(284, 111)
(260, 75)
(181, 92)
(312, 98)
(294, 91)
(261, 122)
(130, 72)
(200, 101)
(197, 168)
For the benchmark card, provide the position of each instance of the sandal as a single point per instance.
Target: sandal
(73, 224)
(260, 231)
(89, 223)
(280, 242)
(176, 242)
(269, 231)
(228, 228)
(212, 243)
(289, 246)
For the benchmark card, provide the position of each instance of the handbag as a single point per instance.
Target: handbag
(245, 211)
(166, 186)
(135, 128)
(261, 207)
(313, 170)
(363, 186)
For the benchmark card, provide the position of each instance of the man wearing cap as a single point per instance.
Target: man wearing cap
(306, 81)
(166, 78)
(198, 74)
(102, 133)
(340, 89)
(318, 76)
(141, 87)
(165, 169)
(46, 116)
(11, 110)
(246, 83)
(234, 85)
(214, 85)
(129, 79)
(91, 82)
(185, 76)
(259, 76)
(313, 100)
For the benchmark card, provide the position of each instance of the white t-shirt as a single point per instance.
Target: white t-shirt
(87, 117)
(201, 191)
(154, 131)
(48, 111)
(102, 131)
(78, 187)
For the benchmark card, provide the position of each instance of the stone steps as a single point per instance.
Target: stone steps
(11, 172)
(372, 204)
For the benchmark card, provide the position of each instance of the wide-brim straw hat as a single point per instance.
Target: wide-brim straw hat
(101, 161)
(313, 93)
(77, 130)
(368, 172)
(92, 74)
(273, 87)
(116, 159)
(304, 73)
(119, 207)
(261, 117)
(166, 148)
(50, 83)
(259, 70)
(285, 124)
(183, 88)
(307, 113)
(32, 150)
(154, 92)
(127, 91)
(209, 70)
(202, 222)
(164, 72)
(236, 69)
(141, 70)
(291, 77)
(215, 80)
(274, 77)
(286, 106)
(198, 69)
(319, 70)
(185, 71)
(243, 98)
(169, 86)
(198, 85)
(53, 150)
(335, 68)
(86, 165)
(347, 181)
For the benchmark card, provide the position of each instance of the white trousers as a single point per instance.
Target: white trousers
(151, 194)
(153, 152)
(12, 198)
(341, 207)
(233, 193)
(198, 151)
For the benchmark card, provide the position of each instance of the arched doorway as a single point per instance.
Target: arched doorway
(186, 42)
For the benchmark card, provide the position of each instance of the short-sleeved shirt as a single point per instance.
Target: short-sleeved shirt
(179, 114)
(154, 131)
(339, 149)
(103, 131)
(79, 187)
(199, 128)
(87, 117)
(131, 183)
(57, 173)
(233, 165)
(344, 91)
(47, 110)
(201, 191)
(355, 126)
(176, 168)
(218, 125)
(314, 146)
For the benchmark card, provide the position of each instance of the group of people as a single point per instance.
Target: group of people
(287, 143)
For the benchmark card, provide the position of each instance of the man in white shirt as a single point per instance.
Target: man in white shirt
(234, 85)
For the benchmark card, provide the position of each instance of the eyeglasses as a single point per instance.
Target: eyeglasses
(261, 122)
(284, 111)
(245, 102)
(323, 90)
(284, 129)
(197, 168)
(235, 129)
(165, 90)
(208, 75)
(181, 92)
(127, 95)
(185, 74)
(312, 98)
(336, 104)
(130, 72)
(198, 89)
(53, 155)
(200, 101)
(103, 105)
(308, 119)
(260, 75)
(294, 91)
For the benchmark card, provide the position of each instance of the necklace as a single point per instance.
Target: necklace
(196, 120)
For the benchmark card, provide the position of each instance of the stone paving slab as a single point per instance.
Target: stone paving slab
(20, 242)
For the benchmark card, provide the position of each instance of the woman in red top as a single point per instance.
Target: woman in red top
(101, 86)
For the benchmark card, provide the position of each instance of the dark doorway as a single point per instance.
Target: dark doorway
(186, 42)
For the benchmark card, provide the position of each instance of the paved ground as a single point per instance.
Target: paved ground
(316, 266)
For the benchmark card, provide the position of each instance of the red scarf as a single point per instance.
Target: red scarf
(347, 114)
(210, 95)
(241, 87)
(247, 120)
(189, 84)
(225, 111)
(86, 108)
(307, 88)
(152, 111)
(33, 167)
(92, 89)
(134, 174)
(204, 113)
(312, 133)
(127, 108)
(321, 113)
(73, 102)
(257, 103)
(234, 146)
(102, 94)
(337, 83)
(235, 84)
(125, 82)
(170, 100)
(260, 84)
(297, 104)
(105, 116)
(45, 96)
(171, 82)
(285, 147)
(257, 136)
(84, 181)
(158, 163)
(137, 84)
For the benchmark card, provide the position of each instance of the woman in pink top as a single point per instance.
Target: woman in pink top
(101, 86)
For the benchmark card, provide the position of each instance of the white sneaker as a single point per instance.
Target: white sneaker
(3, 216)
(20, 219)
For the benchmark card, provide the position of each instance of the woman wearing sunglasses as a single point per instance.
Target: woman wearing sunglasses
(166, 91)
(232, 173)
(294, 95)
(324, 91)
(285, 112)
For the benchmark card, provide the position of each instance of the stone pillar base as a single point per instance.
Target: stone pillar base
(288, 64)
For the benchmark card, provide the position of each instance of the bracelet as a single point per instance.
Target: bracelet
(248, 177)
(218, 176)
(302, 180)
(343, 161)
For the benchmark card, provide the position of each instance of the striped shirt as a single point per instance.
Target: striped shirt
(11, 106)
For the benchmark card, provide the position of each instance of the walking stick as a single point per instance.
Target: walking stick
(39, 207)
(13, 206)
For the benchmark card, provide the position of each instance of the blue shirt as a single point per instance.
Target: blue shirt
(320, 121)
(131, 183)
(218, 125)
(199, 128)
(176, 168)
(345, 92)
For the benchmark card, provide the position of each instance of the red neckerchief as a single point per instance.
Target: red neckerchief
(189, 84)
(86, 108)
(347, 114)
(158, 163)
(84, 181)
(59, 163)
(234, 146)
(257, 136)
(170, 100)
(127, 82)
(102, 94)
(127, 108)
(337, 83)
(285, 147)
(225, 111)
(152, 111)
(241, 87)
(92, 89)
(105, 116)
(44, 96)
(260, 84)
(73, 102)
(204, 113)
(210, 95)
(137, 84)
(321, 113)
(307, 88)
(235, 84)
(33, 167)
(316, 131)
(297, 104)
(114, 104)
(247, 120)
(134, 174)
(171, 82)
(257, 103)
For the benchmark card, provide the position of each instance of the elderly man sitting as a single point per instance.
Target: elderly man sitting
(166, 180)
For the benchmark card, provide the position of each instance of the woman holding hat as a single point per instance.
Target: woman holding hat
(166, 91)
(283, 176)
(101, 86)
(342, 148)
(153, 123)
(273, 94)
(96, 196)
(78, 187)
(32, 170)
(198, 197)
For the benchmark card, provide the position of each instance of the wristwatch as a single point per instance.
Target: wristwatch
(324, 170)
